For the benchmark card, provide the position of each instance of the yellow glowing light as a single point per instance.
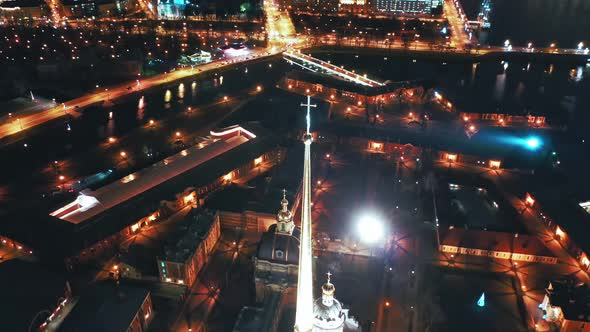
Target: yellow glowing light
(228, 177)
(123, 154)
(559, 232)
(529, 200)
(134, 227)
(258, 160)
(189, 198)
(495, 164)
(376, 146)
(451, 157)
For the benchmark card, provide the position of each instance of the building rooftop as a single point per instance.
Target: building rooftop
(105, 307)
(39, 230)
(279, 247)
(91, 203)
(189, 236)
(573, 299)
(27, 288)
(259, 319)
(496, 241)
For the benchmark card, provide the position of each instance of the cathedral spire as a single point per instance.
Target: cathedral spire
(304, 309)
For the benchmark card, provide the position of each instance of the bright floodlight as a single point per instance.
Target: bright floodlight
(533, 143)
(86, 202)
(370, 228)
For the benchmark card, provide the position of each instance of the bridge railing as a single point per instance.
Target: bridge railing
(333, 69)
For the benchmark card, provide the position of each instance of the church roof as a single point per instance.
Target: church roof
(324, 314)
(279, 247)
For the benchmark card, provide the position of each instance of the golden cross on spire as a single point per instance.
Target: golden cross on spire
(329, 275)
(284, 193)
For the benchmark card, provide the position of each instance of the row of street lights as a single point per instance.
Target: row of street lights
(580, 47)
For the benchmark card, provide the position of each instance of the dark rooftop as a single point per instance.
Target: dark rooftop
(105, 307)
(38, 230)
(189, 235)
(573, 299)
(27, 288)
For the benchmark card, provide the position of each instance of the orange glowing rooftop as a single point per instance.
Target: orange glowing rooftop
(91, 203)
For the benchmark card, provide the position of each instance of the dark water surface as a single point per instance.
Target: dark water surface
(542, 22)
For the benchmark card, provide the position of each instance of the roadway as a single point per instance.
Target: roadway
(161, 136)
(459, 37)
(19, 123)
(422, 46)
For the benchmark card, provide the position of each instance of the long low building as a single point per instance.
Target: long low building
(98, 220)
(497, 245)
(332, 88)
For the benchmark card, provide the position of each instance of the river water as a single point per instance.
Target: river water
(542, 22)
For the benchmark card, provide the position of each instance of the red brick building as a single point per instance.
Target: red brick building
(186, 254)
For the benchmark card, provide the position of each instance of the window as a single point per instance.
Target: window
(279, 254)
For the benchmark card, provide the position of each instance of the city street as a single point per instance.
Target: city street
(22, 122)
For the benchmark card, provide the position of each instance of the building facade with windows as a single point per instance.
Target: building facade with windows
(408, 6)
(497, 245)
(186, 254)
